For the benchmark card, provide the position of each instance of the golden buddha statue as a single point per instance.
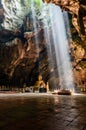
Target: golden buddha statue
(39, 81)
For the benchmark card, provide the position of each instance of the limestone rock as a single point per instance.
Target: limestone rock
(14, 13)
(21, 58)
(78, 10)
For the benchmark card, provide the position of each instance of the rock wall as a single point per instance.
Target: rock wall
(18, 52)
(78, 10)
(14, 13)
(21, 60)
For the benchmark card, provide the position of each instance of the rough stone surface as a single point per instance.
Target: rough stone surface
(21, 60)
(78, 10)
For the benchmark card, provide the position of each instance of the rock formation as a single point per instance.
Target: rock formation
(21, 59)
(78, 10)
(18, 52)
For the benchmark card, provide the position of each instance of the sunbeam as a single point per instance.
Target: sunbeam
(61, 47)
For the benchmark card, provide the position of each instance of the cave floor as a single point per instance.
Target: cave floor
(29, 111)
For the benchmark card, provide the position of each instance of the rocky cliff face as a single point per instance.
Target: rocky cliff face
(78, 10)
(14, 12)
(21, 59)
(18, 52)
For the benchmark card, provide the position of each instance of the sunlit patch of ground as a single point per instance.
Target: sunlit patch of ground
(12, 94)
(23, 94)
